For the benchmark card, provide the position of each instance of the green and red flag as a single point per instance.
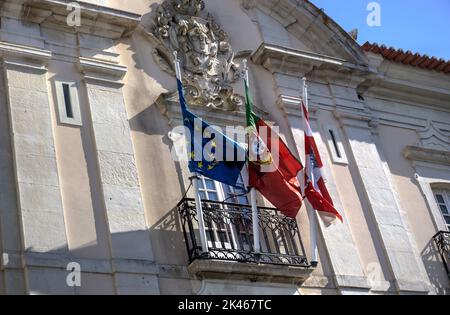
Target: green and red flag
(272, 168)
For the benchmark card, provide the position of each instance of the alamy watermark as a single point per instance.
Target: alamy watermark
(374, 17)
(73, 279)
(74, 17)
(206, 144)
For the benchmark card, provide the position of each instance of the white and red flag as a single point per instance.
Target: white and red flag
(315, 190)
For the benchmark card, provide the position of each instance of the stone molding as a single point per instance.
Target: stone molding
(95, 19)
(301, 18)
(99, 70)
(215, 269)
(298, 61)
(25, 56)
(417, 153)
(433, 138)
(15, 260)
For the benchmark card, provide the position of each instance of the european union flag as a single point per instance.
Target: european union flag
(211, 153)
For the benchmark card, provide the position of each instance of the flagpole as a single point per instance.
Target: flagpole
(311, 211)
(255, 218)
(194, 178)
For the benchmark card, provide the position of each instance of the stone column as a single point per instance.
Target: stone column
(380, 193)
(39, 202)
(132, 259)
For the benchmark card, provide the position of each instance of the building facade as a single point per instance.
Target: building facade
(89, 183)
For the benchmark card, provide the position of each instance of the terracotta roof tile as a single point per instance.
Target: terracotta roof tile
(408, 58)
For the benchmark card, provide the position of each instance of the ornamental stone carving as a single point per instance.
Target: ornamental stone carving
(206, 56)
(433, 138)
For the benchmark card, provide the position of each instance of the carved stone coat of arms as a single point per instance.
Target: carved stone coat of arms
(204, 51)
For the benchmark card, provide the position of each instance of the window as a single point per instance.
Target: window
(443, 202)
(67, 100)
(335, 145)
(224, 234)
(215, 191)
(67, 103)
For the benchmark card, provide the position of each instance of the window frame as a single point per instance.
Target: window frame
(446, 198)
(335, 145)
(213, 230)
(63, 116)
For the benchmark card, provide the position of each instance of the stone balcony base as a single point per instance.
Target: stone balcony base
(230, 270)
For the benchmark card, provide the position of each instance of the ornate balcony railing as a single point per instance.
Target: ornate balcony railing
(442, 240)
(230, 237)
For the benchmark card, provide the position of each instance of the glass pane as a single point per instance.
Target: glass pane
(443, 209)
(202, 195)
(228, 193)
(220, 225)
(440, 199)
(447, 219)
(210, 236)
(244, 239)
(223, 237)
(210, 184)
(200, 183)
(243, 200)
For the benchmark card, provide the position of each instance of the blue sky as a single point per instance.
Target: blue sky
(416, 25)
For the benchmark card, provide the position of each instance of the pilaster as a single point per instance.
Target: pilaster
(129, 235)
(340, 248)
(39, 203)
(399, 246)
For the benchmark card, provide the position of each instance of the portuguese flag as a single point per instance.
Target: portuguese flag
(271, 166)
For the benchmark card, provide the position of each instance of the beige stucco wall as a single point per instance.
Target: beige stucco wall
(162, 182)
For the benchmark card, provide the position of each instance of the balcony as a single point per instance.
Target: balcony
(442, 241)
(231, 252)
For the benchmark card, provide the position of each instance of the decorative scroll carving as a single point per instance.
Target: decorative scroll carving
(433, 138)
(205, 52)
(433, 146)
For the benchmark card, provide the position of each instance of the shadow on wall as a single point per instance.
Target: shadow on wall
(435, 268)
(96, 275)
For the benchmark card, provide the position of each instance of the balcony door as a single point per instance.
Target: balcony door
(223, 230)
(443, 201)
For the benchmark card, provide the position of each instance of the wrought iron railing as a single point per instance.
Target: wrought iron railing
(230, 235)
(442, 240)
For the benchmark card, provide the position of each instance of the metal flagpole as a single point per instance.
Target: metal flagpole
(195, 178)
(311, 211)
(255, 218)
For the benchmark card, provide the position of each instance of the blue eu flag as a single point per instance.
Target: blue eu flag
(211, 153)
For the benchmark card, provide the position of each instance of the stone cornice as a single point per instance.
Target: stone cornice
(302, 20)
(95, 19)
(297, 62)
(291, 106)
(416, 153)
(24, 56)
(353, 119)
(99, 70)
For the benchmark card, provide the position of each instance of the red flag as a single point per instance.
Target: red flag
(315, 190)
(280, 184)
